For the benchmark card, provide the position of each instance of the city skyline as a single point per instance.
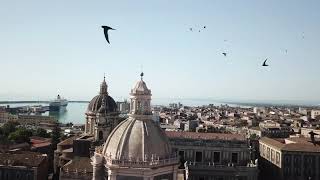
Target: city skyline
(59, 48)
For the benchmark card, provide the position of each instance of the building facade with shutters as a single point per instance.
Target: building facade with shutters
(214, 156)
(289, 159)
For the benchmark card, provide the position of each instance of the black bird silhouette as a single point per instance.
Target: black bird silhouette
(225, 54)
(106, 29)
(204, 27)
(264, 63)
(190, 29)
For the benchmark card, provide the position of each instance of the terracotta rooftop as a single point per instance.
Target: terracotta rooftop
(204, 136)
(293, 144)
(23, 158)
(39, 142)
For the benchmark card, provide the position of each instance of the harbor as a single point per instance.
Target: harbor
(74, 112)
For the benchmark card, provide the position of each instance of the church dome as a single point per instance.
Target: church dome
(137, 140)
(102, 102)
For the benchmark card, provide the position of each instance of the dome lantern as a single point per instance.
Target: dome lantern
(104, 87)
(140, 98)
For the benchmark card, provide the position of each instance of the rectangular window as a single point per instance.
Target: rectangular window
(181, 154)
(268, 153)
(216, 157)
(272, 155)
(198, 156)
(234, 158)
(278, 158)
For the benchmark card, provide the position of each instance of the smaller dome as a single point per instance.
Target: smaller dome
(96, 105)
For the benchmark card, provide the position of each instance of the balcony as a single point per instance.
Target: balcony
(142, 164)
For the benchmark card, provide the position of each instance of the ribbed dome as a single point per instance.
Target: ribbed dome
(141, 88)
(137, 139)
(96, 104)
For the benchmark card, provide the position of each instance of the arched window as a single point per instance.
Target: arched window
(146, 105)
(28, 176)
(100, 135)
(18, 175)
(139, 107)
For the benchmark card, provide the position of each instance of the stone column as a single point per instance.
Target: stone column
(86, 126)
(92, 126)
(97, 167)
(175, 172)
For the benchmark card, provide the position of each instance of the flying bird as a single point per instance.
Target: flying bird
(225, 54)
(190, 29)
(204, 27)
(106, 29)
(264, 63)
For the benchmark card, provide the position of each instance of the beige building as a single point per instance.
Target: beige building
(5, 117)
(305, 132)
(315, 113)
(36, 120)
(214, 156)
(289, 159)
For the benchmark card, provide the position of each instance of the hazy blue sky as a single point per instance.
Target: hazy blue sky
(50, 47)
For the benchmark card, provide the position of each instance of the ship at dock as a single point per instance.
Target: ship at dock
(58, 105)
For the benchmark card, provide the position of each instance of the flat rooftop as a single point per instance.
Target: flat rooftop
(204, 136)
(298, 144)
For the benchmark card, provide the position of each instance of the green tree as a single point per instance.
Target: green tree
(21, 135)
(9, 127)
(55, 136)
(42, 133)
